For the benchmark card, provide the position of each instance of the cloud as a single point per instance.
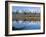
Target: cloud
(26, 9)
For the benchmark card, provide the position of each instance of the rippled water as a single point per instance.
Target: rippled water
(25, 25)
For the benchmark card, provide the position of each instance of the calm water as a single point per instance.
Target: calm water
(26, 25)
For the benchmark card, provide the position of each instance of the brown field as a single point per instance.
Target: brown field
(28, 17)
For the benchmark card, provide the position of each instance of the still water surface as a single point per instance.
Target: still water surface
(26, 25)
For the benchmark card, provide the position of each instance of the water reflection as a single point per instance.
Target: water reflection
(26, 25)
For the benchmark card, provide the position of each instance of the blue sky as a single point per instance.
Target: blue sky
(24, 8)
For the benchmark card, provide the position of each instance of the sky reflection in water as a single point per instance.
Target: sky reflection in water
(26, 25)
